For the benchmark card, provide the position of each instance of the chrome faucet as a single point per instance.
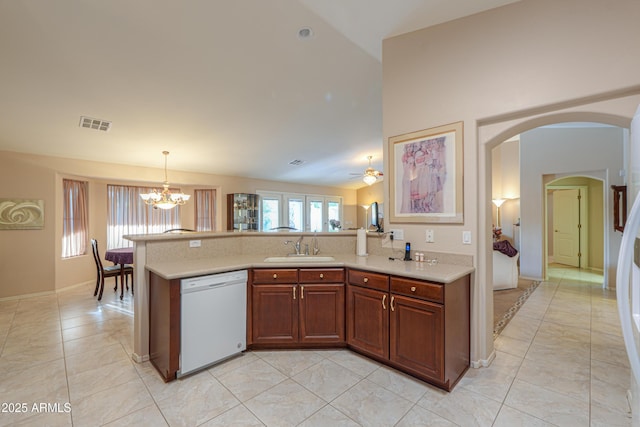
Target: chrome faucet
(296, 245)
(316, 249)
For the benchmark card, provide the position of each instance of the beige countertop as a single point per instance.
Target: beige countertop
(442, 273)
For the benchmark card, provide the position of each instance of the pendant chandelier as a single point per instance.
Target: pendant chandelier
(164, 199)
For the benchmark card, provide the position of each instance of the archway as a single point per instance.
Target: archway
(613, 109)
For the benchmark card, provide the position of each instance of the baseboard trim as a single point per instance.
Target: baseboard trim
(45, 293)
(139, 359)
(24, 296)
(79, 285)
(484, 363)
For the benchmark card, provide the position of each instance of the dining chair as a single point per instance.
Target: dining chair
(108, 271)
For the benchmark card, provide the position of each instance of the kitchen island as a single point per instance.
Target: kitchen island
(170, 258)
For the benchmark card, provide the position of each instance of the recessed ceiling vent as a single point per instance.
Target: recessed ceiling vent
(305, 33)
(296, 162)
(97, 124)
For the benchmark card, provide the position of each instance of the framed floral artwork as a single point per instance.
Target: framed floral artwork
(426, 171)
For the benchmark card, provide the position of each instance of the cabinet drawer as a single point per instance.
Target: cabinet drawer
(322, 275)
(419, 289)
(369, 280)
(280, 275)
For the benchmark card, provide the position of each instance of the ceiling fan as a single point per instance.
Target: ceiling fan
(370, 175)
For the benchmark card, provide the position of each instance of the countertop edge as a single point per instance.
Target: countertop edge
(442, 273)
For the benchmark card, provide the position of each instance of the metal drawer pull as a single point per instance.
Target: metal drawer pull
(365, 280)
(384, 298)
(392, 306)
(275, 276)
(413, 289)
(294, 292)
(301, 292)
(321, 276)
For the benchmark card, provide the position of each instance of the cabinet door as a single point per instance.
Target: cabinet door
(322, 313)
(417, 336)
(368, 320)
(275, 314)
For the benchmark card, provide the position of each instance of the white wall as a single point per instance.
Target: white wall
(506, 185)
(503, 72)
(549, 153)
(40, 177)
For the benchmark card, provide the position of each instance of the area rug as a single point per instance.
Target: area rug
(507, 302)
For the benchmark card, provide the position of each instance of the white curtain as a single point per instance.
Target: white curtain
(128, 214)
(74, 218)
(205, 207)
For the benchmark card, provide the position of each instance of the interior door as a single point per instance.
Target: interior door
(566, 227)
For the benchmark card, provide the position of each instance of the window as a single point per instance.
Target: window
(270, 213)
(205, 207)
(315, 209)
(333, 215)
(296, 212)
(300, 212)
(127, 214)
(75, 218)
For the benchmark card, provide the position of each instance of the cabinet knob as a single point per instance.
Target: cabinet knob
(413, 289)
(365, 280)
(275, 276)
(321, 276)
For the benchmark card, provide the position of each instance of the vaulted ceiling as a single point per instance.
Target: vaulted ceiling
(228, 87)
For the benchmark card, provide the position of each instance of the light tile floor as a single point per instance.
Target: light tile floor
(560, 361)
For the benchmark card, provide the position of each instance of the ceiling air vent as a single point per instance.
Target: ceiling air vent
(89, 123)
(296, 162)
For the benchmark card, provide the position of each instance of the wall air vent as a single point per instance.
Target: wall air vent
(296, 162)
(97, 124)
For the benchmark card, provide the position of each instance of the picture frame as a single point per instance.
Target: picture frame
(426, 175)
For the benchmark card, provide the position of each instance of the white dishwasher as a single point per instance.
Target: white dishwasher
(213, 322)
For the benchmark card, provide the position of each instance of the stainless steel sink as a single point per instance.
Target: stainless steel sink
(299, 258)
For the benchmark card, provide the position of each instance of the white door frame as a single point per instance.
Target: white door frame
(584, 220)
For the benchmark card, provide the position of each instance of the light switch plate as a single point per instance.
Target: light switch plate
(466, 237)
(429, 236)
(195, 243)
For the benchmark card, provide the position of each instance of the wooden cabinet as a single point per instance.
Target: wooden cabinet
(416, 326)
(321, 306)
(419, 327)
(274, 306)
(164, 325)
(291, 306)
(368, 316)
(416, 335)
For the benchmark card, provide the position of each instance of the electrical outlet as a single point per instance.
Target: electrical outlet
(398, 233)
(429, 236)
(466, 237)
(195, 243)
